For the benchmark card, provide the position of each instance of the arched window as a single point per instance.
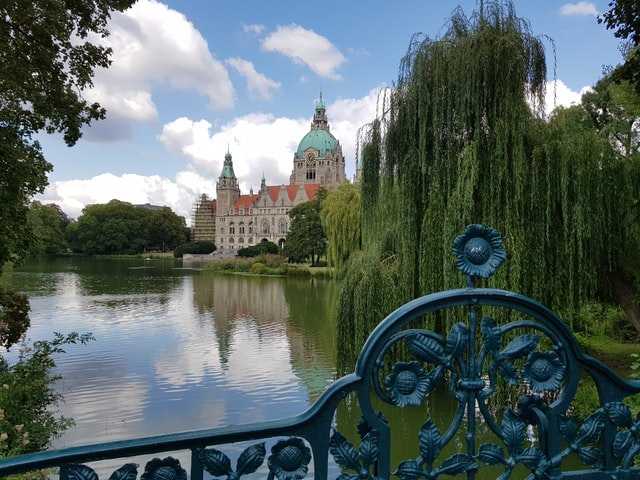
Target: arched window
(241, 228)
(265, 227)
(250, 227)
(232, 228)
(241, 240)
(282, 226)
(230, 239)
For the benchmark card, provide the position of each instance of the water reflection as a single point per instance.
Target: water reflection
(177, 349)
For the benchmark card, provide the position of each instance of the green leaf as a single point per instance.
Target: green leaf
(621, 443)
(408, 470)
(251, 459)
(426, 348)
(430, 442)
(456, 464)
(214, 461)
(128, 471)
(530, 457)
(490, 454)
(514, 432)
(456, 339)
(368, 449)
(590, 455)
(343, 452)
(519, 346)
(77, 472)
(618, 413)
(590, 430)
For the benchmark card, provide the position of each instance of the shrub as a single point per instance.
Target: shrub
(27, 400)
(259, 268)
(194, 248)
(263, 248)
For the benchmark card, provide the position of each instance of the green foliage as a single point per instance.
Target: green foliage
(120, 227)
(623, 17)
(602, 320)
(340, 216)
(306, 238)
(203, 247)
(463, 140)
(262, 248)
(45, 64)
(27, 399)
(47, 224)
(14, 316)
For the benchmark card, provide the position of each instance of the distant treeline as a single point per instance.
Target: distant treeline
(111, 228)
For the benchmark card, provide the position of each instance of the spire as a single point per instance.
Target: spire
(320, 115)
(263, 183)
(227, 168)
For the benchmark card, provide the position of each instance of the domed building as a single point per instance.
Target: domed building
(234, 221)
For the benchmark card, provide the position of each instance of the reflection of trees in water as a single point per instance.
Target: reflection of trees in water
(301, 309)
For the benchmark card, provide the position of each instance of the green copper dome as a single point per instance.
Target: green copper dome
(318, 139)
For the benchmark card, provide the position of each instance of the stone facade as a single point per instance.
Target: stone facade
(243, 220)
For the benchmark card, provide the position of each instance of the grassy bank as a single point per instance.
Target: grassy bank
(614, 353)
(269, 265)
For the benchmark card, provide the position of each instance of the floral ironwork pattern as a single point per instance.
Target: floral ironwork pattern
(289, 460)
(430, 443)
(355, 463)
(157, 469)
(479, 251)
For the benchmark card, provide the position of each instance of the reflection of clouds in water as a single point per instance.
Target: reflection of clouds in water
(89, 405)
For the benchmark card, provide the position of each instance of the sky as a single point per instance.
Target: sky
(191, 78)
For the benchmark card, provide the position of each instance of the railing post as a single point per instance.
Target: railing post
(196, 466)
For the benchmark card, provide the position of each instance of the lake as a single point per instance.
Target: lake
(180, 349)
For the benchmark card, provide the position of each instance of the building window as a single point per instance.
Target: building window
(283, 226)
(232, 229)
(221, 230)
(251, 228)
(250, 240)
(311, 174)
(241, 240)
(241, 228)
(265, 227)
(230, 239)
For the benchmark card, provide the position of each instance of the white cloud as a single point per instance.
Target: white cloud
(579, 8)
(154, 45)
(255, 28)
(564, 96)
(262, 142)
(306, 47)
(258, 84)
(259, 143)
(179, 193)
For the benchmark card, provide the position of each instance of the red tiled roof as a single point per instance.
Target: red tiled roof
(273, 193)
(312, 190)
(291, 191)
(245, 201)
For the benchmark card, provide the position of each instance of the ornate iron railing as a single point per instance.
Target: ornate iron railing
(498, 343)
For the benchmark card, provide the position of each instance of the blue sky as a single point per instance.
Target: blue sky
(191, 76)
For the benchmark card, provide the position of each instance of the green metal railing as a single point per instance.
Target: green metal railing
(497, 342)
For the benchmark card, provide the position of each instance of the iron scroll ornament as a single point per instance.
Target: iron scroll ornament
(529, 349)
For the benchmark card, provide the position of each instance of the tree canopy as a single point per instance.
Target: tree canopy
(47, 224)
(623, 17)
(47, 59)
(306, 239)
(122, 228)
(464, 139)
(340, 215)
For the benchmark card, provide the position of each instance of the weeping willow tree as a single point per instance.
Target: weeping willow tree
(463, 139)
(340, 216)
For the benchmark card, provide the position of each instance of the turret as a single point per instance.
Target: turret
(227, 189)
